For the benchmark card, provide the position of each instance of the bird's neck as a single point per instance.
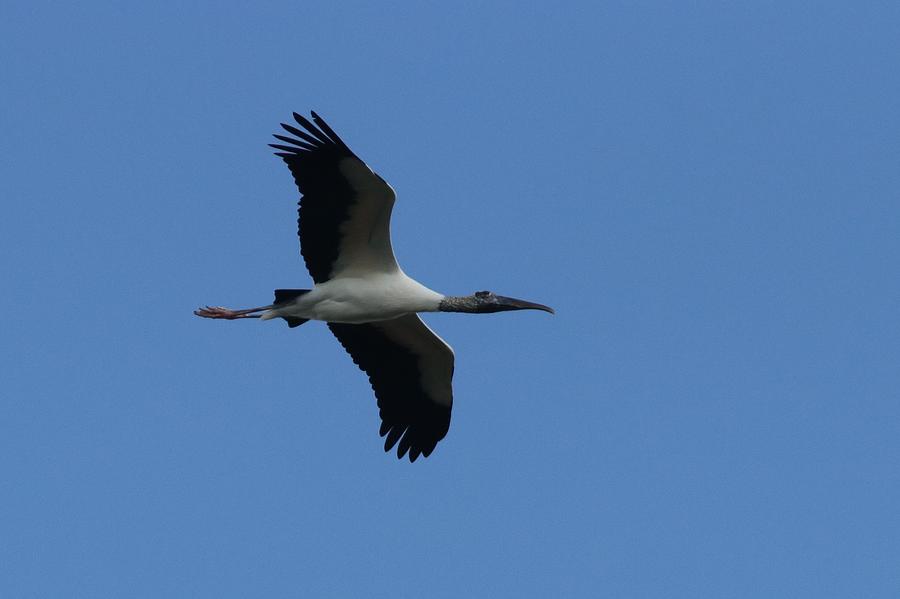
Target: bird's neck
(457, 303)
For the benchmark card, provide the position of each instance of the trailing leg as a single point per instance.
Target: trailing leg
(227, 314)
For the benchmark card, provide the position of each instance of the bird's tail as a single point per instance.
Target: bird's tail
(284, 297)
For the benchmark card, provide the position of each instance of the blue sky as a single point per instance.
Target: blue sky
(706, 192)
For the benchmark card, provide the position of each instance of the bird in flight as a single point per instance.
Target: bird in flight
(359, 290)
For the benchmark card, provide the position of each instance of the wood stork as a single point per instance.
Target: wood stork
(368, 302)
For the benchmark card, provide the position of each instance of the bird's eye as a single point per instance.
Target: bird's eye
(482, 294)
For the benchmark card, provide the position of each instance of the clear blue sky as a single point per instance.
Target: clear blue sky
(707, 193)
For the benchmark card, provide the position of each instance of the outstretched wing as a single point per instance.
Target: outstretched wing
(410, 369)
(345, 208)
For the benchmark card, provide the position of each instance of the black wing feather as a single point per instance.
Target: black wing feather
(313, 129)
(408, 414)
(328, 130)
(291, 140)
(327, 196)
(302, 135)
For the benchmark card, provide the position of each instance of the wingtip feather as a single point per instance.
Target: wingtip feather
(295, 142)
(290, 149)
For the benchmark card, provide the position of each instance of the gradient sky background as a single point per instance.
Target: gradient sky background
(707, 193)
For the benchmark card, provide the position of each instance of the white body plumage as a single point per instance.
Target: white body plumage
(359, 299)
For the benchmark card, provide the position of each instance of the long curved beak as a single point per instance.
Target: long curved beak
(511, 303)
